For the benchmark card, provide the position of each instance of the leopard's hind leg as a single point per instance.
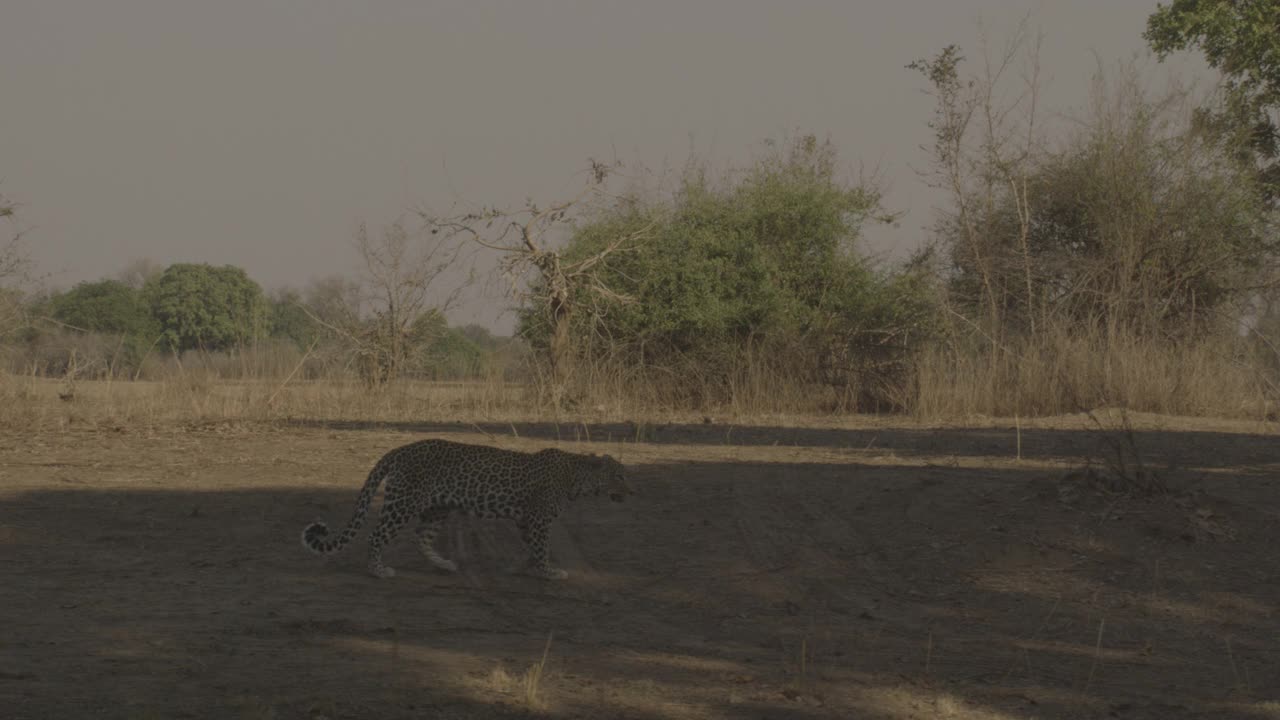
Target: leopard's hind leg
(394, 515)
(431, 520)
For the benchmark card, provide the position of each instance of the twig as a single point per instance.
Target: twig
(1097, 653)
(1232, 657)
(138, 373)
(271, 400)
(928, 653)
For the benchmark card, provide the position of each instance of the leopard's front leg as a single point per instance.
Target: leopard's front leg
(536, 533)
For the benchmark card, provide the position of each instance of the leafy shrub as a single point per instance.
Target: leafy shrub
(106, 306)
(767, 260)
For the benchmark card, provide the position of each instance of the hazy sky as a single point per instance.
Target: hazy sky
(259, 132)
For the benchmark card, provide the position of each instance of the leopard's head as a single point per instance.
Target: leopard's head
(599, 474)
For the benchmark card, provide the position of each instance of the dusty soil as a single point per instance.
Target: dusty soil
(877, 572)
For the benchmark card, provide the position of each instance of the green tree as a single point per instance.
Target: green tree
(440, 352)
(207, 307)
(109, 323)
(1240, 38)
(482, 337)
(287, 319)
(106, 306)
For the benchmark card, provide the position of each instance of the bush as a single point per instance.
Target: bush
(766, 261)
(106, 306)
(287, 320)
(1138, 221)
(1142, 220)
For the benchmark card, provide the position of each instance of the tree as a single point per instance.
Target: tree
(287, 318)
(105, 324)
(139, 272)
(481, 337)
(560, 290)
(1240, 38)
(14, 264)
(398, 287)
(441, 352)
(1137, 222)
(985, 144)
(106, 306)
(1143, 223)
(200, 306)
(333, 301)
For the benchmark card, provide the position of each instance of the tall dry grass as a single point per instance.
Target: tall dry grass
(1055, 372)
(199, 395)
(1058, 371)
(757, 382)
(1061, 371)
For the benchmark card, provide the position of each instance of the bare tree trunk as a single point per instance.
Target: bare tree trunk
(561, 356)
(559, 308)
(521, 237)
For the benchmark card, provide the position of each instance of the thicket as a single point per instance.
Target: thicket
(756, 271)
(1119, 260)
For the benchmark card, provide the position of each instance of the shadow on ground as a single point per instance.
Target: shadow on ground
(725, 589)
(1204, 449)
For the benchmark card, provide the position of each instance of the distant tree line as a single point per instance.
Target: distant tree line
(113, 325)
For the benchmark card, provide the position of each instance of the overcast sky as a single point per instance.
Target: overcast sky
(260, 132)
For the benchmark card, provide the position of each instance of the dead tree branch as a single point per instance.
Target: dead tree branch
(525, 238)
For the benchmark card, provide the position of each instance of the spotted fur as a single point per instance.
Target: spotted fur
(430, 479)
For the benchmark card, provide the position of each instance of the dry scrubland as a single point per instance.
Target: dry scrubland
(771, 565)
(785, 556)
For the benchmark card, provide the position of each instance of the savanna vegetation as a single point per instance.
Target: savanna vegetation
(1124, 258)
(938, 483)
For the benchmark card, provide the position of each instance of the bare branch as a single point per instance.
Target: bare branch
(521, 236)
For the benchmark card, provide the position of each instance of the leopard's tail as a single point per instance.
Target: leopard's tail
(316, 538)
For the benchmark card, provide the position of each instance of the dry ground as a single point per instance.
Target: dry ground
(865, 571)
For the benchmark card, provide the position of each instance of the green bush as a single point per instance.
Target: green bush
(106, 306)
(765, 260)
(287, 320)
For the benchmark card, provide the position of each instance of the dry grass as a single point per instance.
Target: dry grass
(528, 687)
(533, 679)
(202, 397)
(1055, 373)
(1063, 372)
(500, 681)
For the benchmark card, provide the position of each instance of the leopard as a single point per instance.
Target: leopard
(430, 479)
